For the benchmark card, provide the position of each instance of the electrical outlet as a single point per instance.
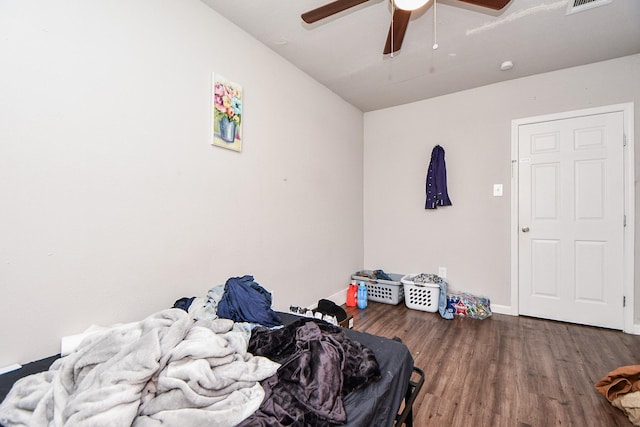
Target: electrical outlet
(442, 272)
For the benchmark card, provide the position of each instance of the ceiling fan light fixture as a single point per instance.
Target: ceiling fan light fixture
(410, 4)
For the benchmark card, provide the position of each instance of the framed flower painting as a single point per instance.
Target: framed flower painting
(227, 113)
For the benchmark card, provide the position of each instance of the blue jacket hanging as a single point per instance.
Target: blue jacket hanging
(437, 180)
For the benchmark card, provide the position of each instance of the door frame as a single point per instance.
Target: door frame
(629, 204)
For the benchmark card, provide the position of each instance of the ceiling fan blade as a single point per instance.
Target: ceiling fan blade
(399, 27)
(329, 9)
(491, 4)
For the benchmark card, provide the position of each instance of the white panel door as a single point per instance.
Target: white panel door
(571, 211)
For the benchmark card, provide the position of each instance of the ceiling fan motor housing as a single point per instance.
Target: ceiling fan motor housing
(400, 20)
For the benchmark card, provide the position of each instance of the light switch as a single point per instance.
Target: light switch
(442, 272)
(497, 190)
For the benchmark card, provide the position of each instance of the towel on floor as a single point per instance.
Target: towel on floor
(629, 403)
(619, 381)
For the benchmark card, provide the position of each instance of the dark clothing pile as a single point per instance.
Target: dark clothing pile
(246, 301)
(330, 308)
(242, 300)
(184, 303)
(320, 365)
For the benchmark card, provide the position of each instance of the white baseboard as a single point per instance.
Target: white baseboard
(506, 309)
(502, 309)
(10, 368)
(339, 297)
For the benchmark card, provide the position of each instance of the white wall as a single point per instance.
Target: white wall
(113, 203)
(472, 237)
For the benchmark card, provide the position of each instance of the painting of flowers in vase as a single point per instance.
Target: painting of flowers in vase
(227, 114)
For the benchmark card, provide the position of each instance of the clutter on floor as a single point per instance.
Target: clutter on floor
(468, 305)
(362, 295)
(421, 291)
(352, 294)
(621, 387)
(426, 292)
(328, 311)
(381, 287)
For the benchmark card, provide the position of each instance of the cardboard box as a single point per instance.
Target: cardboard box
(348, 322)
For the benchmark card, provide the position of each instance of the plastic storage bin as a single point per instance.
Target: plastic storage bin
(385, 291)
(420, 296)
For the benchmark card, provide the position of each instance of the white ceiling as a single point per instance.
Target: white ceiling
(344, 52)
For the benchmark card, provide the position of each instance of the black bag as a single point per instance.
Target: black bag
(326, 306)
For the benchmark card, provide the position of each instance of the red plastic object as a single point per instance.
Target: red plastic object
(352, 296)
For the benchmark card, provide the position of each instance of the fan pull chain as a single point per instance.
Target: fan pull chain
(393, 11)
(435, 33)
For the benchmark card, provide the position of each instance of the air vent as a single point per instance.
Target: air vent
(581, 5)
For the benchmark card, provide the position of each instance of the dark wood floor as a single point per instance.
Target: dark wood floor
(505, 370)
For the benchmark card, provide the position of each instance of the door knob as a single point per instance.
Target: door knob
(525, 229)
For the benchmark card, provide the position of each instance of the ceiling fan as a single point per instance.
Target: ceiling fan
(401, 13)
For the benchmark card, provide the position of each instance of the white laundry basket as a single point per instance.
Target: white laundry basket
(384, 291)
(420, 296)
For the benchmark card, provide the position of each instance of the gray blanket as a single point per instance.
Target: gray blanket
(165, 370)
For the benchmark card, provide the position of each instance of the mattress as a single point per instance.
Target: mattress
(378, 403)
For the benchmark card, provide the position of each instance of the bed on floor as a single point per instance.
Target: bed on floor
(171, 370)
